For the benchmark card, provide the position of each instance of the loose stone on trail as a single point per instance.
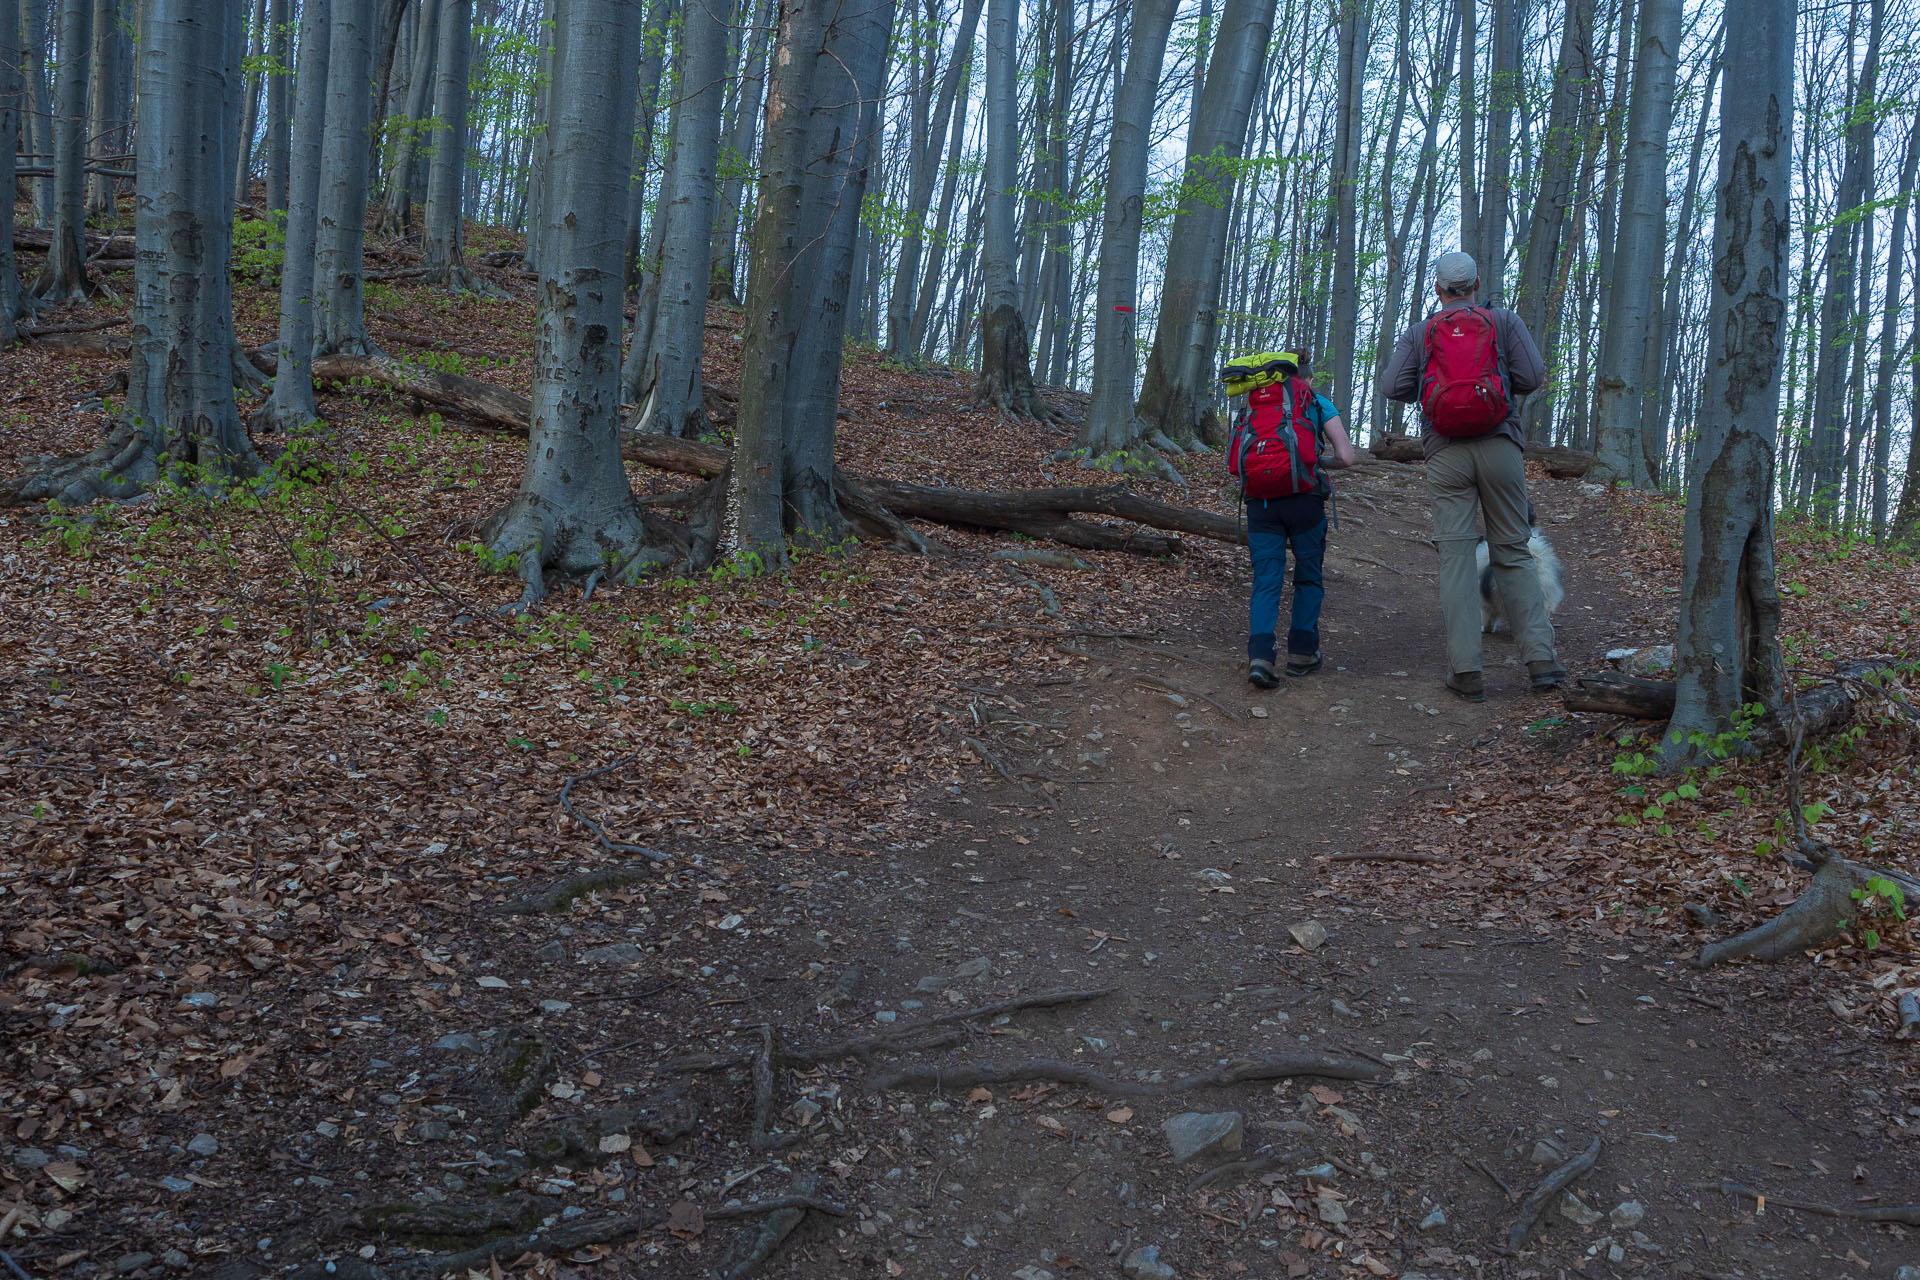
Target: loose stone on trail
(1201, 1133)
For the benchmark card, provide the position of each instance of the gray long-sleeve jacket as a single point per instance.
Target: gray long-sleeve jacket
(1519, 357)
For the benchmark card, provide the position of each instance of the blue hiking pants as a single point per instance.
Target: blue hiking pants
(1273, 526)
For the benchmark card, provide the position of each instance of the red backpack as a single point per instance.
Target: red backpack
(1275, 449)
(1463, 392)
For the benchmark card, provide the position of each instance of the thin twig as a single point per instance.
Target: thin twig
(599, 833)
(1909, 1214)
(1170, 687)
(1381, 855)
(777, 1204)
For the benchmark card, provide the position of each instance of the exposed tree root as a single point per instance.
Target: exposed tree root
(1550, 1186)
(615, 542)
(766, 1078)
(1906, 1214)
(1280, 1067)
(121, 468)
(458, 277)
(787, 1214)
(1821, 708)
(561, 894)
(562, 1237)
(1824, 908)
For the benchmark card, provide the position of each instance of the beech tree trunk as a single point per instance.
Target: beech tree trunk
(1727, 649)
(1889, 324)
(575, 512)
(1006, 369)
(1110, 424)
(653, 51)
(1354, 31)
(280, 22)
(1640, 251)
(338, 291)
(1827, 446)
(445, 261)
(64, 276)
(396, 211)
(923, 168)
(11, 308)
(180, 417)
(108, 123)
(920, 342)
(1178, 395)
(40, 109)
(1469, 131)
(1560, 154)
(291, 406)
(1503, 95)
(737, 158)
(250, 103)
(669, 381)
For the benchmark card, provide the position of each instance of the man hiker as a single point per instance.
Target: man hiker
(1283, 444)
(1467, 366)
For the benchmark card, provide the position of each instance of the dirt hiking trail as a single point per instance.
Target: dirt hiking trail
(1050, 1036)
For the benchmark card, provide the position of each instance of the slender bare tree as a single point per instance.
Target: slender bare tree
(1727, 651)
(64, 276)
(291, 406)
(340, 323)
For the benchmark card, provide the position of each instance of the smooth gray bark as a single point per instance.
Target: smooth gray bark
(1504, 94)
(396, 211)
(575, 512)
(280, 75)
(11, 111)
(1006, 369)
(339, 313)
(64, 276)
(652, 58)
(1639, 253)
(1177, 397)
(446, 185)
(39, 91)
(1546, 226)
(1727, 651)
(250, 104)
(292, 407)
(737, 158)
(180, 418)
(1110, 422)
(1354, 27)
(923, 168)
(108, 125)
(936, 250)
(1469, 129)
(1828, 442)
(669, 382)
(1889, 325)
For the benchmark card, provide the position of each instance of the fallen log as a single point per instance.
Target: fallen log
(1039, 513)
(1560, 462)
(1823, 707)
(40, 239)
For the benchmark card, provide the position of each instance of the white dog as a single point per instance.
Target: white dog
(1546, 567)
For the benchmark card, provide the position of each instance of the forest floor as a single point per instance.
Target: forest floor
(279, 785)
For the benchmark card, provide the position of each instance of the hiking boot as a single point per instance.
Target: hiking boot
(1547, 675)
(1261, 673)
(1304, 664)
(1468, 685)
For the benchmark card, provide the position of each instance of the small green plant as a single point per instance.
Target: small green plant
(1871, 896)
(260, 248)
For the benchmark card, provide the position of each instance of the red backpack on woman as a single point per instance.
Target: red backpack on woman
(1275, 450)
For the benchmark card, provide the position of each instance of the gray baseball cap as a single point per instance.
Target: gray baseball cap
(1455, 271)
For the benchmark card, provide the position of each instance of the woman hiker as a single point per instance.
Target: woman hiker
(1283, 444)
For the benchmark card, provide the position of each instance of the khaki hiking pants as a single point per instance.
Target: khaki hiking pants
(1489, 472)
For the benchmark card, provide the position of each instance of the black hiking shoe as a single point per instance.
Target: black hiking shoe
(1260, 672)
(1299, 664)
(1546, 676)
(1468, 685)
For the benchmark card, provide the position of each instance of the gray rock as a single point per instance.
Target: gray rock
(1033, 1273)
(885, 1015)
(614, 953)
(1627, 1214)
(1310, 934)
(128, 1263)
(1203, 1133)
(554, 1006)
(459, 1040)
(31, 1158)
(1907, 1273)
(1546, 1152)
(1437, 1218)
(200, 999)
(1577, 1211)
(930, 984)
(433, 1130)
(327, 1129)
(177, 1259)
(978, 967)
(1616, 1254)
(171, 1183)
(1144, 1264)
(204, 1144)
(552, 953)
